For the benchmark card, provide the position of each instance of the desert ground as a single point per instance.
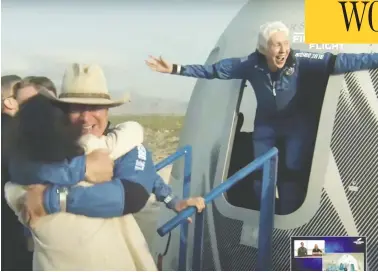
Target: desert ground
(161, 135)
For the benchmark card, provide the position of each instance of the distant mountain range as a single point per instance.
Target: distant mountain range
(141, 104)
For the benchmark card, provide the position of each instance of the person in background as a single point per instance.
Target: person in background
(15, 255)
(302, 251)
(29, 87)
(42, 81)
(9, 106)
(289, 86)
(316, 250)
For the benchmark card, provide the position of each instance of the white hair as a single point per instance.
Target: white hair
(266, 31)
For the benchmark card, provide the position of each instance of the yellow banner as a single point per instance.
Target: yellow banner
(332, 21)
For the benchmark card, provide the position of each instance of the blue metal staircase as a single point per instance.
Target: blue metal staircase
(269, 163)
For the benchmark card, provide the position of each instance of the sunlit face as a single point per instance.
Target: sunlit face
(278, 50)
(25, 93)
(92, 119)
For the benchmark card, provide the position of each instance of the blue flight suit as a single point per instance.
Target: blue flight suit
(288, 103)
(135, 178)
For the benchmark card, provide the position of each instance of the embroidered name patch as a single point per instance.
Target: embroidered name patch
(309, 55)
(141, 160)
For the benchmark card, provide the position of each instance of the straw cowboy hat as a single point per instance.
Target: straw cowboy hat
(85, 84)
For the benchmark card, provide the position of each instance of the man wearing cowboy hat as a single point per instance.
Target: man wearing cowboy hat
(98, 165)
(86, 100)
(15, 91)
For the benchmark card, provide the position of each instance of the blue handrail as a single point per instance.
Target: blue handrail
(267, 211)
(185, 151)
(269, 163)
(217, 191)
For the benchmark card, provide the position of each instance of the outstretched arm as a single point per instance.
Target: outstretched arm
(346, 62)
(230, 68)
(338, 64)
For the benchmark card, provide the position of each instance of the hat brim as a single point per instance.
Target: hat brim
(85, 101)
(91, 101)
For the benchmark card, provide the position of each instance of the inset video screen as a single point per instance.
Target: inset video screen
(328, 253)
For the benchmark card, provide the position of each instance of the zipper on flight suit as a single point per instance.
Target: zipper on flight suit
(274, 88)
(273, 84)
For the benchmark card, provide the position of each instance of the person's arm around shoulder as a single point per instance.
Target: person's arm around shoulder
(96, 167)
(121, 195)
(230, 68)
(127, 193)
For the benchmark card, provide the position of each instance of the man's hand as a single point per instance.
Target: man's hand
(159, 65)
(198, 202)
(99, 166)
(33, 204)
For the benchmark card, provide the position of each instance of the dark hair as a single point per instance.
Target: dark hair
(41, 131)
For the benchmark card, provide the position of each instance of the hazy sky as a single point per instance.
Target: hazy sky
(43, 37)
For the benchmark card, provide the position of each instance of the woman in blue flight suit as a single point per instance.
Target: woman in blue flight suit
(289, 87)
